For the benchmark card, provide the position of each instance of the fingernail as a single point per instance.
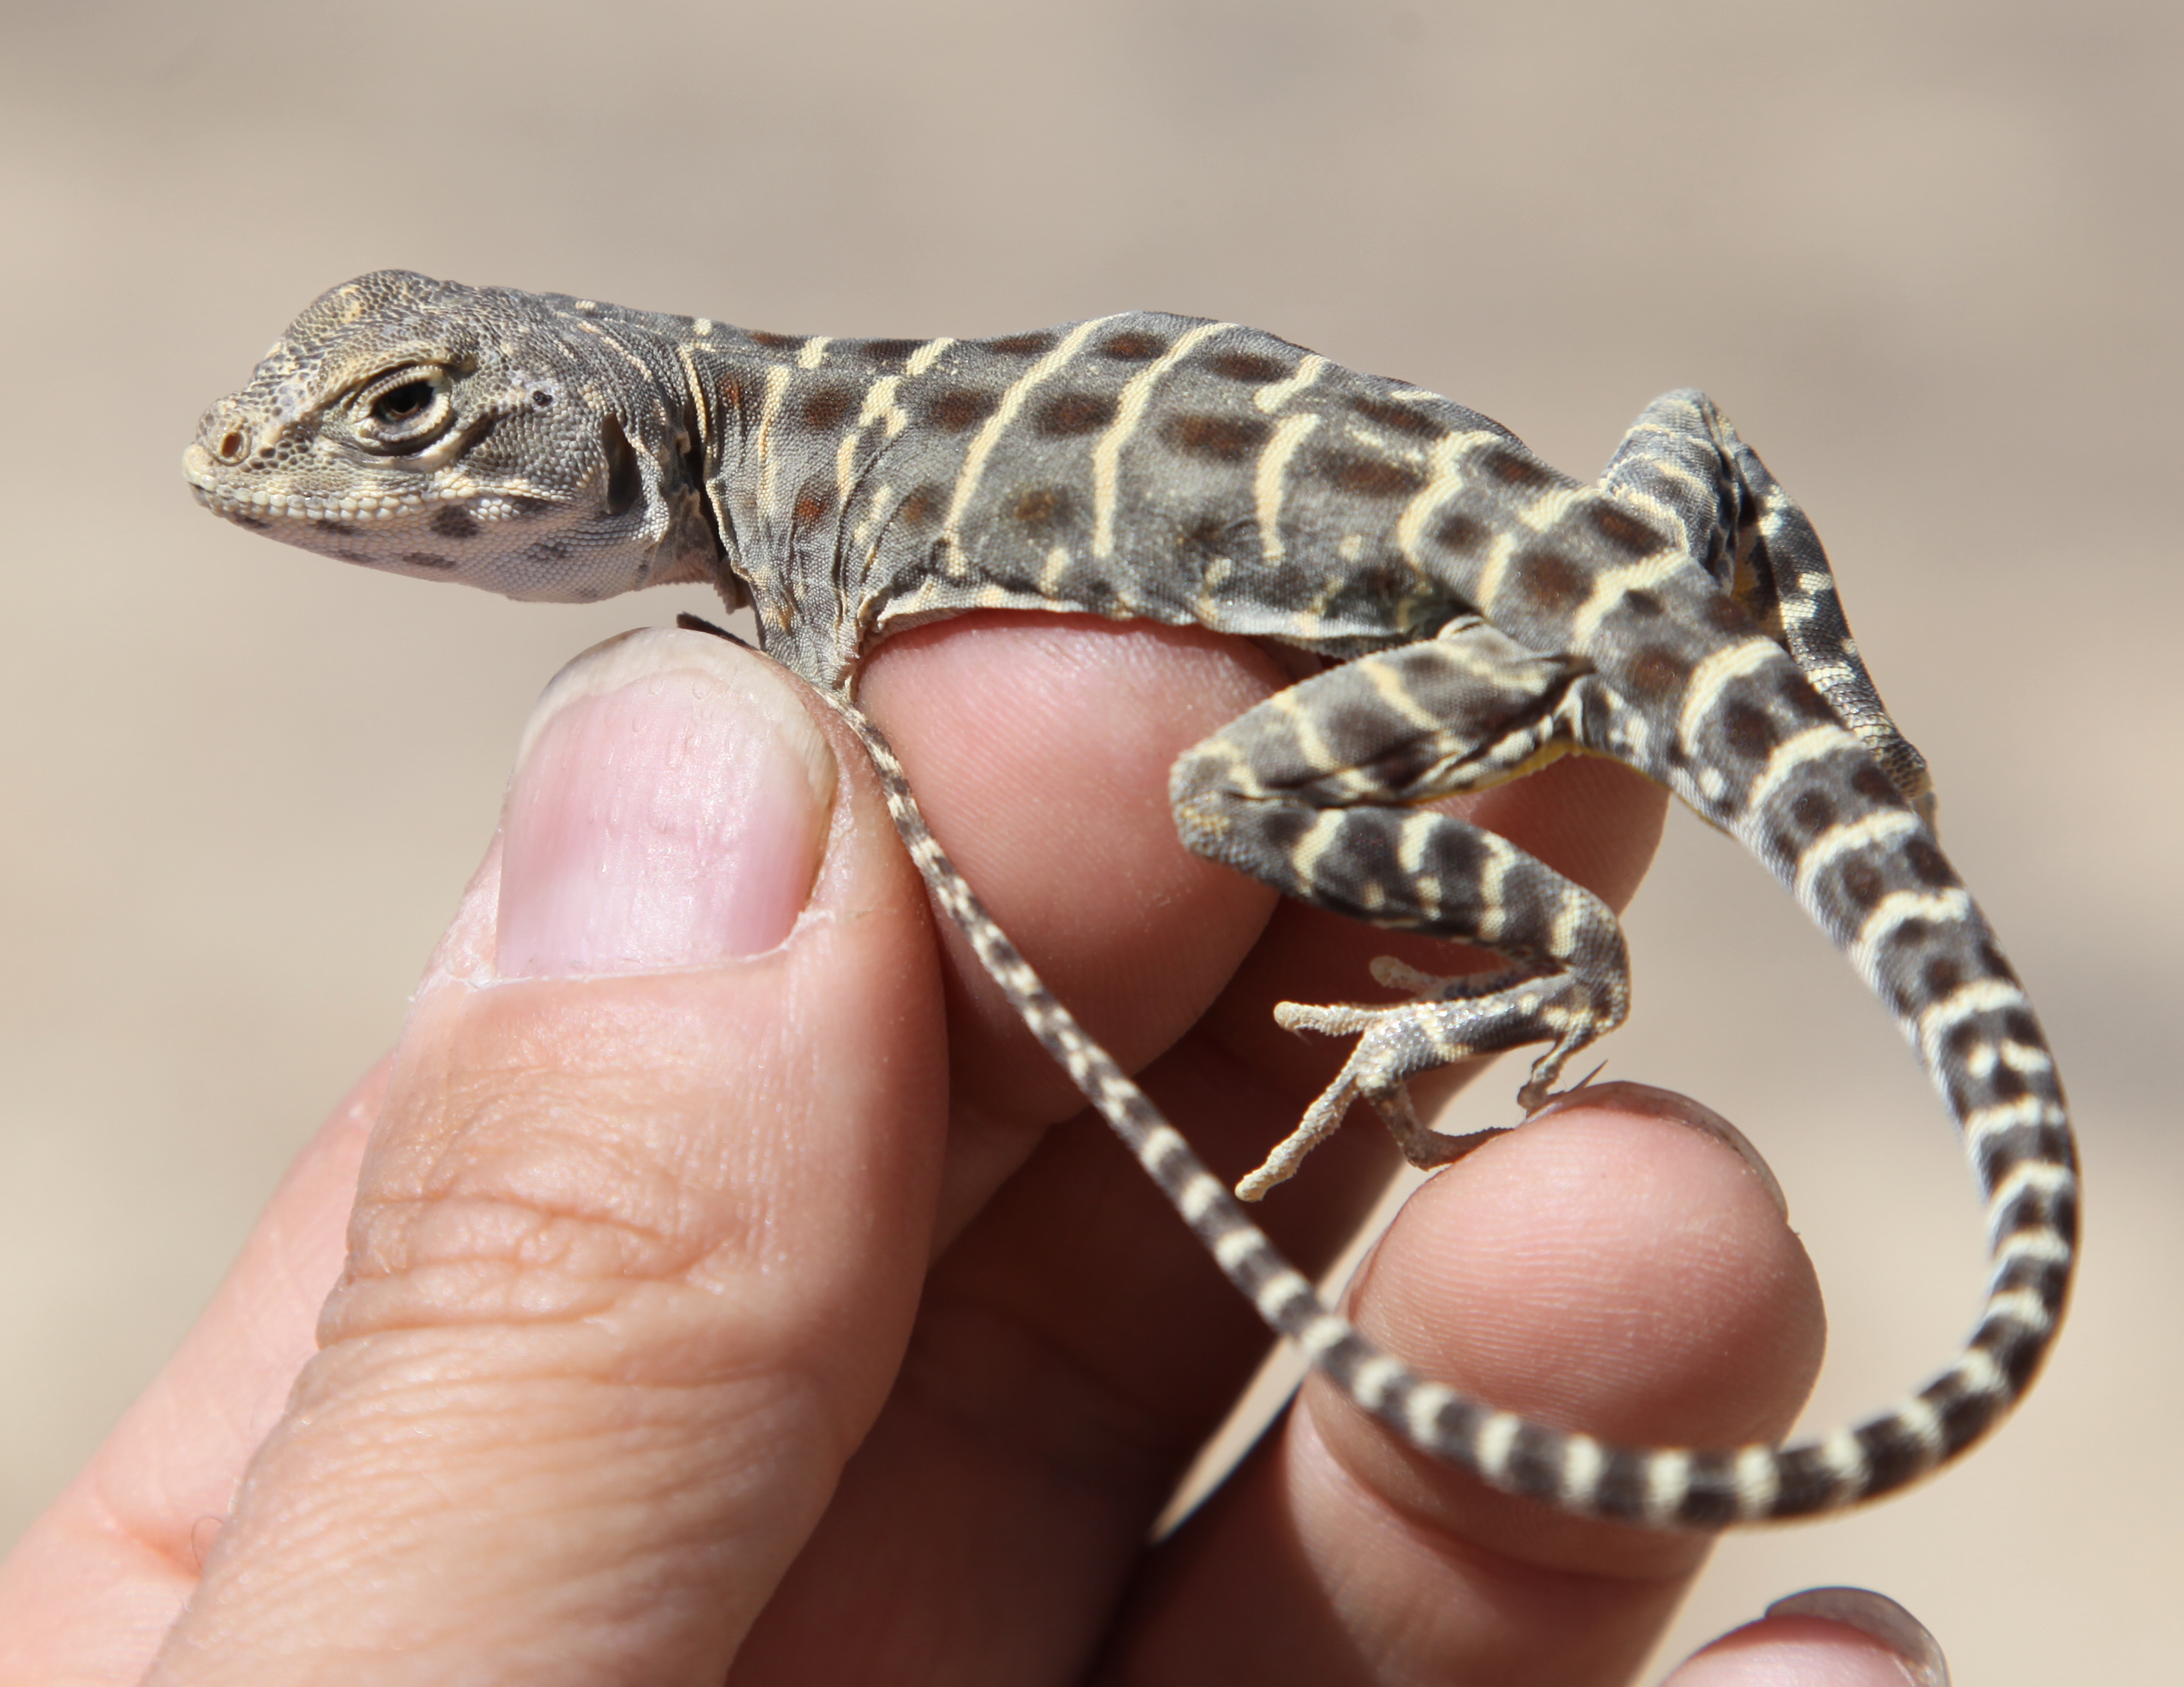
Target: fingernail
(669, 809)
(1644, 1098)
(1879, 1617)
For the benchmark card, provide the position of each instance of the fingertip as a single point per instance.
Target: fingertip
(1605, 1268)
(669, 808)
(1609, 1266)
(1795, 1650)
(1649, 1101)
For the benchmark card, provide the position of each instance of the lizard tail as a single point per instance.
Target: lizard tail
(2031, 1203)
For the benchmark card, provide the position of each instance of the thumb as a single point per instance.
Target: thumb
(640, 1233)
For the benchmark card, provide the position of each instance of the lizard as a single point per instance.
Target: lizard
(1470, 613)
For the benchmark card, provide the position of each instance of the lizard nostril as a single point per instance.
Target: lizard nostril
(230, 444)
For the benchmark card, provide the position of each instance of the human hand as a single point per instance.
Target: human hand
(715, 1307)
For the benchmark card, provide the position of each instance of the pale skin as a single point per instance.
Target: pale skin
(718, 1306)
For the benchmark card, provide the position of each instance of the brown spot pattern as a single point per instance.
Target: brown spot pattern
(1658, 672)
(923, 506)
(778, 342)
(1075, 413)
(1929, 865)
(1460, 533)
(1553, 580)
(1625, 532)
(813, 502)
(1284, 824)
(1363, 476)
(1398, 418)
(1220, 533)
(1023, 345)
(1043, 507)
(1226, 438)
(1875, 785)
(451, 521)
(826, 407)
(1862, 884)
(1512, 468)
(1245, 366)
(889, 351)
(953, 412)
(1808, 705)
(1748, 730)
(1134, 346)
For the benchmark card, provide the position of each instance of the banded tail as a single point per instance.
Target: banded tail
(2029, 1182)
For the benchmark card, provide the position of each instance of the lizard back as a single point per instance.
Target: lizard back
(1475, 612)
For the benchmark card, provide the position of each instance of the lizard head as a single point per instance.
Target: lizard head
(464, 433)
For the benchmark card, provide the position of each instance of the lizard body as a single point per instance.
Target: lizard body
(1474, 613)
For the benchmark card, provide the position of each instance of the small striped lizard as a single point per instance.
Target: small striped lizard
(1473, 614)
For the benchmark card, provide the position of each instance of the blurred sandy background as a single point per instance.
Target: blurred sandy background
(1927, 255)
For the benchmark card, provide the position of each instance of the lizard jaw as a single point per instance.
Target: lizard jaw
(263, 506)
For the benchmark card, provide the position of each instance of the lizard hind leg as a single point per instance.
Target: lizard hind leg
(1683, 461)
(1316, 792)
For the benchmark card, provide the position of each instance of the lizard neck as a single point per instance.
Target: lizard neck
(705, 401)
(770, 435)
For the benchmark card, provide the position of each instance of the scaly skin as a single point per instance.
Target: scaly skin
(1481, 613)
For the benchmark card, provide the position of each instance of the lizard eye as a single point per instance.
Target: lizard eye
(404, 409)
(407, 400)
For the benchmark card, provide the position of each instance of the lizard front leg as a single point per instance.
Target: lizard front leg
(1316, 792)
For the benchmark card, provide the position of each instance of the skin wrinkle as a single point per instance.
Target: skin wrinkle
(1189, 1077)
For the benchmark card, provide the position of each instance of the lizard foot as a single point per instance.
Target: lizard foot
(1447, 1019)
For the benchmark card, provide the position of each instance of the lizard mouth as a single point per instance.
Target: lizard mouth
(264, 504)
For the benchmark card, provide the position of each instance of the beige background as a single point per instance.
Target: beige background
(1926, 254)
